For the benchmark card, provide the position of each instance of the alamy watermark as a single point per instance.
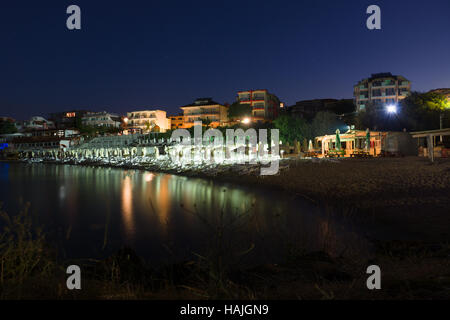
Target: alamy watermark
(374, 281)
(74, 280)
(373, 22)
(238, 147)
(73, 22)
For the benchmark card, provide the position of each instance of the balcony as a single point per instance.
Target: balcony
(142, 116)
(194, 120)
(377, 93)
(205, 113)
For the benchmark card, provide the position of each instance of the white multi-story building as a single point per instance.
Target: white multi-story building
(380, 89)
(35, 123)
(101, 119)
(148, 120)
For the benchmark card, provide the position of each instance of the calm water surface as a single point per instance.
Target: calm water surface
(92, 212)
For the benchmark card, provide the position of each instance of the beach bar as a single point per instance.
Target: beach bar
(352, 142)
(433, 143)
(360, 143)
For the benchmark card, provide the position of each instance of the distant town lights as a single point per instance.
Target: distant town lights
(392, 108)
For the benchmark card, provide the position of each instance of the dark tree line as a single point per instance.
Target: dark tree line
(417, 112)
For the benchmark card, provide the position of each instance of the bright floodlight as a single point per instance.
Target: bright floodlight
(246, 120)
(392, 108)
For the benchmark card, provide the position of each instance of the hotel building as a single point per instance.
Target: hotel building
(67, 119)
(380, 89)
(176, 122)
(148, 121)
(265, 105)
(101, 119)
(205, 110)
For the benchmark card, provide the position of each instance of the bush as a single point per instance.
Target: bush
(25, 260)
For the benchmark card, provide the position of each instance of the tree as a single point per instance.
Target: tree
(375, 117)
(325, 123)
(207, 122)
(418, 111)
(78, 122)
(239, 111)
(148, 126)
(422, 111)
(369, 118)
(7, 127)
(434, 101)
(87, 130)
(344, 106)
(291, 129)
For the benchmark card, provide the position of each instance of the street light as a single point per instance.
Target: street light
(125, 125)
(246, 120)
(392, 108)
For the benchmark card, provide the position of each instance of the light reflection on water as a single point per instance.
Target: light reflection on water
(164, 217)
(127, 207)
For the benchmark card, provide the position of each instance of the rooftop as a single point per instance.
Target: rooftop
(243, 91)
(146, 110)
(202, 102)
(444, 91)
(381, 75)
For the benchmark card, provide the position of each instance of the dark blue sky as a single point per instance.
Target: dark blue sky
(146, 54)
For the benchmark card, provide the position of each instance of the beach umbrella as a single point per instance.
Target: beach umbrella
(338, 140)
(310, 146)
(367, 139)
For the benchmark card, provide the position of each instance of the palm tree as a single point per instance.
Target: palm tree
(149, 126)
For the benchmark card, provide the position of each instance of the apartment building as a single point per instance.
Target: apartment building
(101, 119)
(148, 121)
(176, 122)
(380, 89)
(205, 110)
(266, 106)
(67, 119)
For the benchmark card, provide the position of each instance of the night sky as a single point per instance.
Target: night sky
(163, 54)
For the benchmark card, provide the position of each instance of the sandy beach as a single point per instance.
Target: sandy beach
(405, 196)
(367, 183)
